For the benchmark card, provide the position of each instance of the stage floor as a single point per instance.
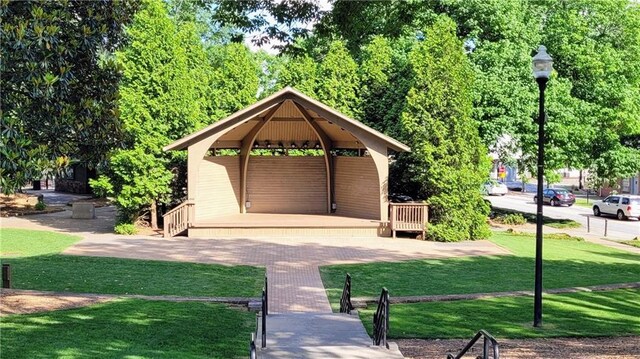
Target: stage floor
(276, 220)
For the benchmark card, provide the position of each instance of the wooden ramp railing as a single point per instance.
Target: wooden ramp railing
(178, 219)
(409, 217)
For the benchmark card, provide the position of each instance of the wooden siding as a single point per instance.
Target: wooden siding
(286, 131)
(287, 184)
(218, 187)
(357, 191)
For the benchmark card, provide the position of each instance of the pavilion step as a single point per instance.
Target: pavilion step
(320, 335)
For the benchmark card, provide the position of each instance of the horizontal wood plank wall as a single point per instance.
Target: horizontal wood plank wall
(218, 187)
(357, 191)
(295, 184)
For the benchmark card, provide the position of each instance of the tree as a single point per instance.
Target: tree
(337, 80)
(162, 98)
(448, 162)
(59, 83)
(234, 79)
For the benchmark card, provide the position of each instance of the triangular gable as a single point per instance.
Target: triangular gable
(276, 99)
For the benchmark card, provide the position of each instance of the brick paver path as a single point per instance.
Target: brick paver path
(292, 263)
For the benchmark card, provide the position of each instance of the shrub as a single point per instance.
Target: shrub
(125, 228)
(515, 219)
(563, 236)
(101, 186)
(40, 206)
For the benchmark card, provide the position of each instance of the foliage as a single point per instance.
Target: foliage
(568, 263)
(447, 161)
(512, 219)
(254, 17)
(125, 228)
(299, 72)
(159, 102)
(59, 83)
(40, 206)
(634, 243)
(234, 79)
(101, 186)
(585, 314)
(78, 274)
(16, 242)
(130, 328)
(531, 218)
(337, 80)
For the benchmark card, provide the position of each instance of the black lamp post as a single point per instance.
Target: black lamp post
(542, 66)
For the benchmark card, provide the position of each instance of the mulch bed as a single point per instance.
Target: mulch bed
(566, 348)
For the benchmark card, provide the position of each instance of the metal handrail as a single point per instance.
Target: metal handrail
(345, 299)
(264, 318)
(489, 341)
(252, 347)
(266, 295)
(381, 320)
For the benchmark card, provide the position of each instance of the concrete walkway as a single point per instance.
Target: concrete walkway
(320, 335)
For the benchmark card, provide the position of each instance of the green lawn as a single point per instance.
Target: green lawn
(567, 263)
(130, 329)
(633, 243)
(613, 313)
(582, 202)
(25, 242)
(32, 269)
(531, 218)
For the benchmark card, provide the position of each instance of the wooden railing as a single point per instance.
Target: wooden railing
(409, 217)
(178, 219)
(488, 344)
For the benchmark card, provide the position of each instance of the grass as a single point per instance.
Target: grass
(633, 243)
(130, 329)
(567, 263)
(582, 202)
(559, 223)
(25, 242)
(80, 274)
(613, 313)
(35, 265)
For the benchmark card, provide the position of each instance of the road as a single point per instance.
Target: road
(616, 229)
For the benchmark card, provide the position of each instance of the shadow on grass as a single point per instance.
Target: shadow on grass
(104, 275)
(130, 328)
(531, 218)
(565, 263)
(613, 313)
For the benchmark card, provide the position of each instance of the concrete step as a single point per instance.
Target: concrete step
(319, 335)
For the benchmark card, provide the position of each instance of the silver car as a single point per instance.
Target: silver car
(622, 206)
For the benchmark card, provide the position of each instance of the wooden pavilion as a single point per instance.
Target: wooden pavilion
(287, 164)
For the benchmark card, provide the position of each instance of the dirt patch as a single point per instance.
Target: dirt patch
(21, 303)
(568, 348)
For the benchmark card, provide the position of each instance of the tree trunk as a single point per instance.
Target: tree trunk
(580, 186)
(154, 215)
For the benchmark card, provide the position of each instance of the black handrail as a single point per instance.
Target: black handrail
(489, 341)
(264, 318)
(252, 347)
(345, 300)
(381, 320)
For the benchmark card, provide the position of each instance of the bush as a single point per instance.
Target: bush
(515, 219)
(40, 206)
(125, 228)
(101, 186)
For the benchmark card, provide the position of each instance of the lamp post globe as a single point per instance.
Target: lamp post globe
(542, 65)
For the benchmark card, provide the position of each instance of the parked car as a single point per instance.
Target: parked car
(494, 188)
(556, 197)
(621, 206)
(399, 198)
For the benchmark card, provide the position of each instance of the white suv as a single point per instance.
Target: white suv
(620, 205)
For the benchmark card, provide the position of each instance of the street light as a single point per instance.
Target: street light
(542, 67)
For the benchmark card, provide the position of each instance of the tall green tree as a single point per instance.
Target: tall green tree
(448, 161)
(59, 83)
(337, 80)
(162, 98)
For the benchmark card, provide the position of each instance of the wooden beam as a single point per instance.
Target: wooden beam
(326, 144)
(245, 153)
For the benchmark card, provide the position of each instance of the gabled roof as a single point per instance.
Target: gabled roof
(276, 99)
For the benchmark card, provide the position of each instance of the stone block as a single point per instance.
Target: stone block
(82, 210)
